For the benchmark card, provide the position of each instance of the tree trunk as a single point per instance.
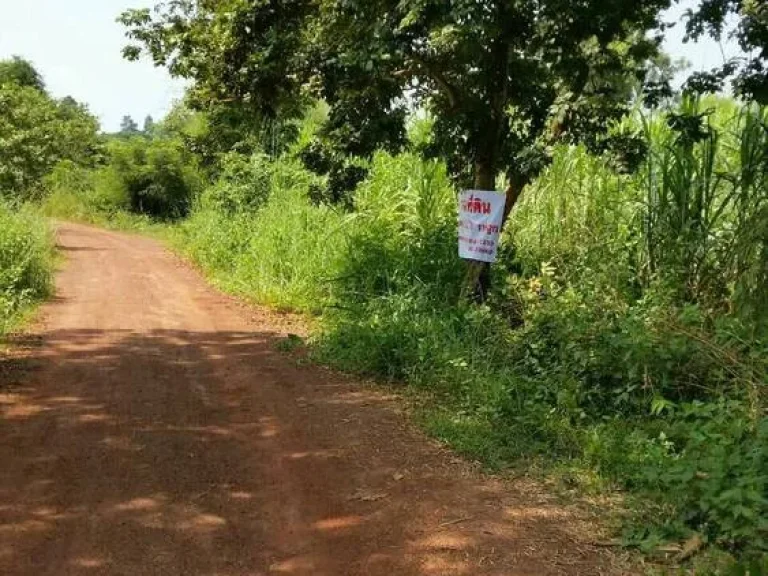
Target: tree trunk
(485, 175)
(478, 279)
(514, 190)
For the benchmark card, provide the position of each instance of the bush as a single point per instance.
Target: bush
(243, 186)
(285, 253)
(25, 263)
(161, 179)
(716, 475)
(404, 233)
(89, 195)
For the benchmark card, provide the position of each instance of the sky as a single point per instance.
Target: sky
(76, 45)
(703, 55)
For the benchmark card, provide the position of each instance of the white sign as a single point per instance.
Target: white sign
(480, 216)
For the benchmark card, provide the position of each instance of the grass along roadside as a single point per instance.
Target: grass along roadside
(26, 265)
(623, 350)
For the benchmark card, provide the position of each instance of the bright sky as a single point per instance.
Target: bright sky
(703, 55)
(76, 45)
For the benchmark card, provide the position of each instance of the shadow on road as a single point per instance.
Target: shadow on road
(210, 453)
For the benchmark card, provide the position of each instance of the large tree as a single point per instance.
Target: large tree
(501, 76)
(503, 79)
(37, 131)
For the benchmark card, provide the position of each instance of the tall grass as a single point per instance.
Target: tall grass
(26, 263)
(285, 253)
(624, 344)
(705, 196)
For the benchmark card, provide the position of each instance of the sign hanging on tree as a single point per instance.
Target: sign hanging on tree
(480, 216)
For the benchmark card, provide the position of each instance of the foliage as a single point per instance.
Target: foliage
(149, 126)
(158, 175)
(128, 127)
(256, 48)
(501, 77)
(153, 175)
(26, 263)
(36, 132)
(751, 70)
(280, 250)
(625, 340)
(706, 203)
(218, 129)
(404, 232)
(84, 194)
(718, 475)
(21, 73)
(243, 186)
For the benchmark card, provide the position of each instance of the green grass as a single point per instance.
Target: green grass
(71, 207)
(285, 254)
(624, 346)
(26, 264)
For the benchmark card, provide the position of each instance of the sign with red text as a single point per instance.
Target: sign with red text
(480, 216)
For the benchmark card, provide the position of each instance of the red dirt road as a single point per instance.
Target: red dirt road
(156, 430)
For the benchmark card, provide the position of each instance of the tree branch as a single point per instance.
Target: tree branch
(450, 91)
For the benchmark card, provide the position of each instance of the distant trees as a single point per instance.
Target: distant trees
(158, 176)
(128, 126)
(21, 73)
(154, 169)
(149, 125)
(37, 131)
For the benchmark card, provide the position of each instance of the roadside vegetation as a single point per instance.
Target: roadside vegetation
(26, 264)
(36, 132)
(624, 345)
(619, 344)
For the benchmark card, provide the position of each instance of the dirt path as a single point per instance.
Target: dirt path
(159, 432)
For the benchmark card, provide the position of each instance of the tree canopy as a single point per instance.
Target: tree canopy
(749, 72)
(20, 72)
(37, 131)
(502, 77)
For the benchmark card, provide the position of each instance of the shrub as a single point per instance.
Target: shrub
(161, 178)
(404, 233)
(25, 263)
(243, 186)
(284, 253)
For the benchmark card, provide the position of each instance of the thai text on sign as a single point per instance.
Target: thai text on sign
(480, 216)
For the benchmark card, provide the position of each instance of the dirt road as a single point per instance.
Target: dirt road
(156, 430)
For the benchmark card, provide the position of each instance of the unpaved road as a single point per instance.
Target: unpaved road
(156, 430)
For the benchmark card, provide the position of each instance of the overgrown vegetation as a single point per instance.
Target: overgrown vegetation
(621, 340)
(624, 345)
(141, 178)
(26, 264)
(37, 132)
